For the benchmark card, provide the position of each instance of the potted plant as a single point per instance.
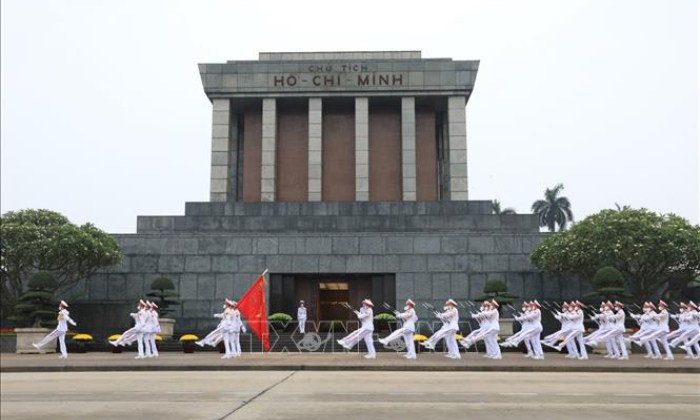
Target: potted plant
(497, 289)
(383, 321)
(188, 342)
(419, 338)
(8, 340)
(37, 311)
(81, 341)
(280, 321)
(164, 294)
(115, 337)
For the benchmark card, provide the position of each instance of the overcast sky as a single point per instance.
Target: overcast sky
(104, 117)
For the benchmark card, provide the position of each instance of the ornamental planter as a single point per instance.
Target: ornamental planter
(167, 326)
(506, 325)
(188, 346)
(27, 336)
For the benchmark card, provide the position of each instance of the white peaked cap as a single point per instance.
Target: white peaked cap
(451, 302)
(410, 302)
(368, 303)
(692, 304)
(63, 303)
(301, 301)
(494, 303)
(535, 303)
(662, 303)
(153, 305)
(142, 303)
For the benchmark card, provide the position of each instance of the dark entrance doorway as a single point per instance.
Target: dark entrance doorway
(324, 293)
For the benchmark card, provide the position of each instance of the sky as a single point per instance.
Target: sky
(103, 115)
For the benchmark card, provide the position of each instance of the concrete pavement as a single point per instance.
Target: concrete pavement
(171, 361)
(348, 395)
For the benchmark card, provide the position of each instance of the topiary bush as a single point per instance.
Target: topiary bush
(609, 284)
(497, 290)
(164, 294)
(279, 317)
(385, 317)
(37, 306)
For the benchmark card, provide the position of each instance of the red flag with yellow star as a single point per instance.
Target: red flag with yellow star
(252, 307)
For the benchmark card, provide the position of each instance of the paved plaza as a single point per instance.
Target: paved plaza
(349, 395)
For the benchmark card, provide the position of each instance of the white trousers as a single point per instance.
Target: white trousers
(535, 342)
(360, 334)
(140, 343)
(60, 335)
(232, 343)
(150, 344)
(302, 325)
(407, 336)
(492, 346)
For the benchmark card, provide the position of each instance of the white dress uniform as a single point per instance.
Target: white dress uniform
(564, 332)
(647, 323)
(64, 319)
(134, 333)
(301, 317)
(155, 327)
(526, 330)
(408, 327)
(661, 330)
(694, 340)
(688, 328)
(450, 326)
(576, 317)
(477, 333)
(605, 331)
(535, 317)
(147, 330)
(215, 336)
(237, 329)
(618, 337)
(365, 332)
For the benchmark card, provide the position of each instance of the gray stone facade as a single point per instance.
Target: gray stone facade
(216, 250)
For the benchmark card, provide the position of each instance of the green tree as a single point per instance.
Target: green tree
(496, 207)
(553, 210)
(649, 249)
(37, 306)
(163, 289)
(609, 284)
(497, 290)
(32, 240)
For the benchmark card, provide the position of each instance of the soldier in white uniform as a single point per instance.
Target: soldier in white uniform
(619, 326)
(450, 326)
(687, 329)
(134, 333)
(301, 317)
(566, 327)
(663, 318)
(366, 317)
(647, 323)
(238, 328)
(408, 318)
(535, 317)
(153, 329)
(63, 318)
(693, 342)
(604, 332)
(217, 335)
(525, 332)
(577, 318)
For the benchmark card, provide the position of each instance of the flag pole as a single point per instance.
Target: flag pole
(267, 327)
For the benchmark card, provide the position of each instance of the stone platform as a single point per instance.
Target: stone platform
(210, 361)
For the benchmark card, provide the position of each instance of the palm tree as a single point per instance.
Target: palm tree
(496, 207)
(553, 210)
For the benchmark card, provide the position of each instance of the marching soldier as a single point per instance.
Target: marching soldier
(450, 326)
(136, 332)
(366, 317)
(526, 330)
(153, 329)
(647, 324)
(662, 319)
(618, 337)
(566, 327)
(408, 328)
(687, 329)
(63, 318)
(694, 340)
(301, 317)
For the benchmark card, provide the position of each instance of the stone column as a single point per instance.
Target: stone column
(315, 148)
(361, 149)
(408, 147)
(269, 144)
(457, 142)
(220, 149)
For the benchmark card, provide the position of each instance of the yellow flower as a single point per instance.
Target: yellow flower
(189, 337)
(82, 337)
(419, 337)
(459, 337)
(114, 337)
(158, 337)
